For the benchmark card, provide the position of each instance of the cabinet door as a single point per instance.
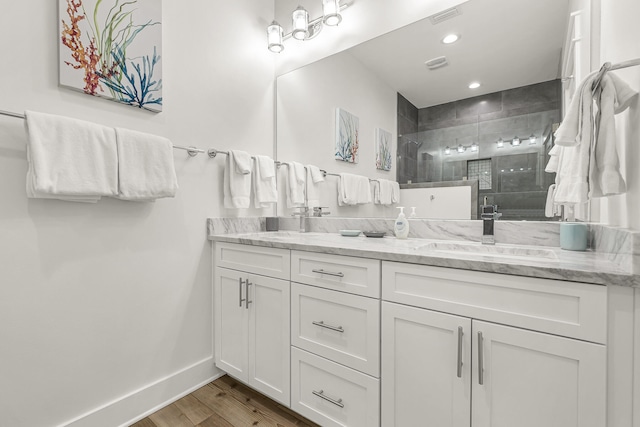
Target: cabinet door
(426, 369)
(530, 379)
(230, 322)
(269, 337)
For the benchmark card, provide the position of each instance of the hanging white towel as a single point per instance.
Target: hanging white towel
(145, 166)
(295, 184)
(314, 178)
(353, 190)
(70, 159)
(575, 137)
(395, 192)
(265, 192)
(604, 172)
(237, 180)
(383, 192)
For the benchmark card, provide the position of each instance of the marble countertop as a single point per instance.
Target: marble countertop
(545, 262)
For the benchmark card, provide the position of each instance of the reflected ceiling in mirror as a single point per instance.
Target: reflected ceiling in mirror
(503, 44)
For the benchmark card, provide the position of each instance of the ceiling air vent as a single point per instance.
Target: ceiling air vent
(444, 15)
(435, 63)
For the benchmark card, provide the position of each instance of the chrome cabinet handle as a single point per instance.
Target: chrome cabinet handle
(247, 301)
(324, 325)
(240, 283)
(460, 334)
(328, 273)
(321, 395)
(480, 359)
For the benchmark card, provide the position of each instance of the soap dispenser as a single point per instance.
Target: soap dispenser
(401, 225)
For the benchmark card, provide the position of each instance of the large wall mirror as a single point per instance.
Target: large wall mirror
(496, 136)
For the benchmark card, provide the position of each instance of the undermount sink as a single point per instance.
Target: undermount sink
(472, 248)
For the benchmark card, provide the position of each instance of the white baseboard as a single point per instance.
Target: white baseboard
(138, 404)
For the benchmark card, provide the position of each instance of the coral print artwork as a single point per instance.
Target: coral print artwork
(112, 49)
(346, 136)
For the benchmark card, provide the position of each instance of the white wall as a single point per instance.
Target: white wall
(619, 42)
(306, 121)
(100, 302)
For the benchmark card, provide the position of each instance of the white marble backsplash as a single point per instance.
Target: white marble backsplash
(235, 225)
(511, 232)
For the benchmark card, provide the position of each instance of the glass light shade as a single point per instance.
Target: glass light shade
(500, 143)
(275, 34)
(515, 142)
(447, 150)
(331, 11)
(474, 147)
(300, 21)
(532, 139)
(461, 148)
(474, 85)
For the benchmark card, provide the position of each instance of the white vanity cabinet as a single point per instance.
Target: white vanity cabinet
(544, 372)
(335, 338)
(251, 317)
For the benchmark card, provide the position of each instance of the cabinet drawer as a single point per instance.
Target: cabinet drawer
(272, 262)
(339, 326)
(331, 394)
(569, 309)
(343, 273)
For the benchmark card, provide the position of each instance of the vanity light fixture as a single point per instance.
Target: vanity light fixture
(515, 141)
(474, 147)
(461, 148)
(474, 85)
(447, 151)
(450, 38)
(500, 143)
(302, 27)
(532, 139)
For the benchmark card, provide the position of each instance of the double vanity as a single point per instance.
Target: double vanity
(351, 331)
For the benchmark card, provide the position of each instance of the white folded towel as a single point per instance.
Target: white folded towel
(383, 192)
(237, 180)
(295, 184)
(145, 166)
(353, 190)
(70, 159)
(314, 178)
(265, 192)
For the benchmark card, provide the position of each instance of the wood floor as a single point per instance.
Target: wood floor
(224, 403)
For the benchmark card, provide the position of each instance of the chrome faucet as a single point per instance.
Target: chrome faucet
(318, 212)
(488, 213)
(303, 214)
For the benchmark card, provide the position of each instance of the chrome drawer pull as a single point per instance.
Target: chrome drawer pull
(240, 283)
(328, 273)
(460, 334)
(324, 325)
(321, 395)
(480, 359)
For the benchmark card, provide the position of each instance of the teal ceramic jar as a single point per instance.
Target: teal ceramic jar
(574, 236)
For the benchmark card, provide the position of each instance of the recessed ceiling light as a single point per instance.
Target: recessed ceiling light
(450, 38)
(474, 85)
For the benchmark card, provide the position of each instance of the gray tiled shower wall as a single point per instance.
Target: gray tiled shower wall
(518, 182)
